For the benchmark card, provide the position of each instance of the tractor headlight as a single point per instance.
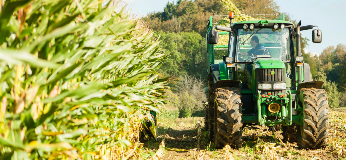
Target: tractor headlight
(245, 27)
(282, 26)
(279, 86)
(252, 26)
(264, 86)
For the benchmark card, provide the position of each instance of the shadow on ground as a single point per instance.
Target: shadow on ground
(198, 113)
(179, 139)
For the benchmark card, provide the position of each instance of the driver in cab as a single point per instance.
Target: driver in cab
(257, 49)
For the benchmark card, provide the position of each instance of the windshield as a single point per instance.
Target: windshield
(262, 42)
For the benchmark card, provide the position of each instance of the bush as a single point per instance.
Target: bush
(188, 95)
(331, 89)
(167, 115)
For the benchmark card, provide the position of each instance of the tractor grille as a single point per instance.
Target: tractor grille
(264, 75)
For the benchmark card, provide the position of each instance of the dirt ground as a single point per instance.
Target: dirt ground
(178, 139)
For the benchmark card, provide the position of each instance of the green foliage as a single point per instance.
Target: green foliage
(168, 113)
(188, 96)
(185, 16)
(343, 76)
(186, 54)
(343, 99)
(262, 9)
(333, 63)
(76, 79)
(331, 88)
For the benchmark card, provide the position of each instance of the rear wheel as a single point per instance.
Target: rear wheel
(314, 131)
(228, 109)
(209, 117)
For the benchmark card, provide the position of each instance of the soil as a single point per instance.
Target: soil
(181, 142)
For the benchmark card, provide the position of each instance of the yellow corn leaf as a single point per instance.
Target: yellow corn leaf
(31, 94)
(3, 108)
(47, 147)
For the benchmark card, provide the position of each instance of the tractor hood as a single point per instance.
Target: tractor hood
(269, 63)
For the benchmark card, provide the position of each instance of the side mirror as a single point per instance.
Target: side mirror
(213, 37)
(316, 36)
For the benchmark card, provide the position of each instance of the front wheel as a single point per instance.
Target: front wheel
(228, 128)
(314, 131)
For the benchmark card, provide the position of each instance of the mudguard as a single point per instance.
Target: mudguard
(314, 84)
(227, 83)
(218, 83)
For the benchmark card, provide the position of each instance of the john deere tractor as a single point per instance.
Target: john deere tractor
(259, 78)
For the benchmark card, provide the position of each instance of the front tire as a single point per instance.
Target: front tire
(314, 131)
(228, 118)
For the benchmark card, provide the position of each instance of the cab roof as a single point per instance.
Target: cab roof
(264, 23)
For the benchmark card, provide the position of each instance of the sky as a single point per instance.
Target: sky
(326, 14)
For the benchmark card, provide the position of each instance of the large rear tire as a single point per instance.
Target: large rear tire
(314, 131)
(228, 109)
(209, 117)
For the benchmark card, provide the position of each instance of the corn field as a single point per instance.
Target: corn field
(77, 77)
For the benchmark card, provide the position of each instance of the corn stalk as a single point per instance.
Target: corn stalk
(76, 78)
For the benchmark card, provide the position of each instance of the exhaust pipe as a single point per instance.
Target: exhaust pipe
(299, 52)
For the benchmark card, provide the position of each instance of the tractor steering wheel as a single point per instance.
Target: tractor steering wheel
(260, 52)
(248, 58)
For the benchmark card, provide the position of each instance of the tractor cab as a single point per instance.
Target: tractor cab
(262, 43)
(267, 47)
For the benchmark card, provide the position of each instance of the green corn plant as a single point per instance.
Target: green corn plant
(76, 79)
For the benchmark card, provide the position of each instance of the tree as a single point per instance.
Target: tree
(332, 61)
(340, 52)
(327, 55)
(185, 16)
(331, 88)
(263, 9)
(186, 54)
(343, 76)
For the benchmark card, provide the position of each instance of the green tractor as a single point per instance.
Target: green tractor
(260, 78)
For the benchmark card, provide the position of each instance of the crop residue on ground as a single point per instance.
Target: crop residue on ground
(178, 140)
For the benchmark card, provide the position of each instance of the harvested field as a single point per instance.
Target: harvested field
(178, 139)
